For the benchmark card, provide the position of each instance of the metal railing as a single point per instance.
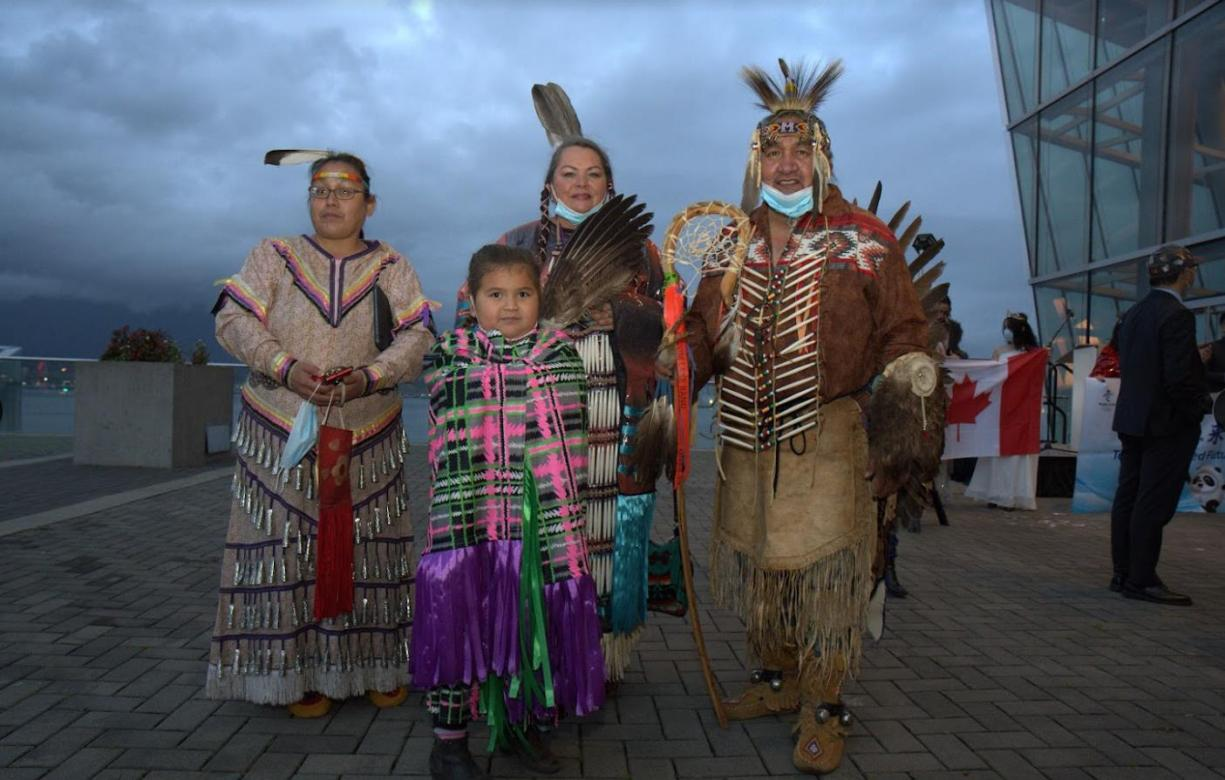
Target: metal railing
(1058, 429)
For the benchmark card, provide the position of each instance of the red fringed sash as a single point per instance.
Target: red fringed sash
(674, 316)
(334, 570)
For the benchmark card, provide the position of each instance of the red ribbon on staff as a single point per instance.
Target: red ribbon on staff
(674, 317)
(334, 569)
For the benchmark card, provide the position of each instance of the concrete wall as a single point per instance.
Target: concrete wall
(148, 414)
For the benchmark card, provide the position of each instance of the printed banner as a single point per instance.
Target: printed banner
(1097, 462)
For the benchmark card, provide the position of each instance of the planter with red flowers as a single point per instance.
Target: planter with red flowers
(141, 405)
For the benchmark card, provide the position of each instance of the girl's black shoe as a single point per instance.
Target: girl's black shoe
(450, 760)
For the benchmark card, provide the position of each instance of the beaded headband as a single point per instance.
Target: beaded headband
(338, 175)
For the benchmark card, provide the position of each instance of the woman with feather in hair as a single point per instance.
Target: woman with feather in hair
(315, 583)
(617, 342)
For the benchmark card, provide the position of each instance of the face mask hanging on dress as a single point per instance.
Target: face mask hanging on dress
(302, 436)
(792, 206)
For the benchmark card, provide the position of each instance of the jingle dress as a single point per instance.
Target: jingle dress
(292, 300)
(505, 599)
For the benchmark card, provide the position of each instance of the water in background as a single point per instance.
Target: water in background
(37, 398)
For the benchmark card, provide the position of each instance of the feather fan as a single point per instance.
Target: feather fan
(599, 262)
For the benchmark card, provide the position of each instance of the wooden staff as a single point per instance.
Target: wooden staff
(674, 322)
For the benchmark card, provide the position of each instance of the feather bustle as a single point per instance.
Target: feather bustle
(924, 282)
(925, 257)
(898, 217)
(874, 204)
(910, 232)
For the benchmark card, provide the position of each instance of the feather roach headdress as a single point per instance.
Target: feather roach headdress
(793, 105)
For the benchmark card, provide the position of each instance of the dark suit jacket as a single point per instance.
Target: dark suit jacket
(1215, 367)
(1162, 389)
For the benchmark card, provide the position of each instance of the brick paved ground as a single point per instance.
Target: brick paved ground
(38, 487)
(1010, 659)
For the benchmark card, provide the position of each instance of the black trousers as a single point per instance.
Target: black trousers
(1152, 472)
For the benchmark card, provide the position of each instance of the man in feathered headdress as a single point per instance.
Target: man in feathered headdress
(821, 312)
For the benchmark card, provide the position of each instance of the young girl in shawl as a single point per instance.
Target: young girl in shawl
(505, 622)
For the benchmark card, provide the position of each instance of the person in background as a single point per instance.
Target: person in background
(952, 331)
(1163, 397)
(1010, 481)
(1214, 360)
(1107, 364)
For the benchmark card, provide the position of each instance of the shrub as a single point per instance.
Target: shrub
(140, 345)
(199, 355)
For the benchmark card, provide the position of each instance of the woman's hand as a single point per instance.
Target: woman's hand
(601, 317)
(355, 385)
(665, 362)
(304, 381)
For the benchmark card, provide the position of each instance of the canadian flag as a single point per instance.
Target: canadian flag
(996, 405)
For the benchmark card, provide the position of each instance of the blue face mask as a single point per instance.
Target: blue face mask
(559, 209)
(792, 206)
(1007, 336)
(302, 436)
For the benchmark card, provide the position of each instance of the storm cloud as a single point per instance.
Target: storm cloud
(135, 131)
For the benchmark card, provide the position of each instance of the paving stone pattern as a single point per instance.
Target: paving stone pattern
(1009, 660)
(37, 487)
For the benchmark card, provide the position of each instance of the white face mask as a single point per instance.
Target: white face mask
(302, 436)
(1007, 336)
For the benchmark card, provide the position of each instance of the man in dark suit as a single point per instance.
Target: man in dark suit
(1162, 398)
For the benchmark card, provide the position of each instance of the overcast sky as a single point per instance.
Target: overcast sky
(134, 130)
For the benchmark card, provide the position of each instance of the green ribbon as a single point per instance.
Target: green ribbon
(493, 706)
(533, 639)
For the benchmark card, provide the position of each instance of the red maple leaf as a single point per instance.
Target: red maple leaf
(965, 405)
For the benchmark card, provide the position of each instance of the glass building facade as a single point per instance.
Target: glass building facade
(1116, 112)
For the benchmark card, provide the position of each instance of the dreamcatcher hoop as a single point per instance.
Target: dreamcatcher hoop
(738, 247)
(695, 246)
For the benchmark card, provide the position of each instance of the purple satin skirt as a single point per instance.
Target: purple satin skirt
(466, 625)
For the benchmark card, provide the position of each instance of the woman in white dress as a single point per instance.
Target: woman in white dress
(1009, 482)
